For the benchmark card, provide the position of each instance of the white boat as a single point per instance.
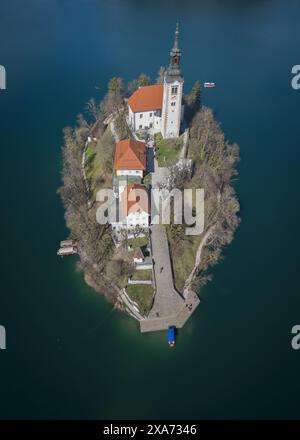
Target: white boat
(209, 85)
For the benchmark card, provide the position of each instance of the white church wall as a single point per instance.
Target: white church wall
(144, 120)
(131, 118)
(157, 123)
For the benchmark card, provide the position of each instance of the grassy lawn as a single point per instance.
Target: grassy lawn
(98, 165)
(142, 275)
(183, 258)
(138, 242)
(167, 150)
(142, 295)
(142, 136)
(92, 163)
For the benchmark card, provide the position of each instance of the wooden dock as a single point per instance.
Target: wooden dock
(67, 243)
(67, 250)
(67, 247)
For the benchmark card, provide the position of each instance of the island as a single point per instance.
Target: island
(140, 138)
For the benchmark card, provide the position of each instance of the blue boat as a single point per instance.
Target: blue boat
(171, 336)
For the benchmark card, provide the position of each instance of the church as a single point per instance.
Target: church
(158, 108)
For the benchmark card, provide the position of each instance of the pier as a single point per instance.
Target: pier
(178, 320)
(67, 247)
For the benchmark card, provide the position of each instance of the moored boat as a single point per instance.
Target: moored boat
(209, 84)
(171, 336)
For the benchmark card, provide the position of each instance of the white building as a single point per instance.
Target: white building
(130, 158)
(144, 108)
(158, 108)
(134, 208)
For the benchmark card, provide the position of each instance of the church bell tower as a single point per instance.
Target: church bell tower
(172, 96)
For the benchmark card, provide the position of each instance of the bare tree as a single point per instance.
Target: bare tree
(160, 75)
(93, 109)
(142, 80)
(114, 99)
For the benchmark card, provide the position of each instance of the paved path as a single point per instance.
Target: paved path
(130, 281)
(183, 152)
(169, 307)
(160, 175)
(167, 301)
(113, 130)
(131, 305)
(150, 159)
(178, 320)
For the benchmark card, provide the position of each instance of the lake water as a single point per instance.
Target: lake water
(68, 355)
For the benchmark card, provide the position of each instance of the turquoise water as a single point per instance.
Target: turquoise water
(68, 355)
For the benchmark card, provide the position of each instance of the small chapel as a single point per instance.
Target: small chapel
(158, 108)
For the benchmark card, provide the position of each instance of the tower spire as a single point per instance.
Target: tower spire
(173, 71)
(176, 39)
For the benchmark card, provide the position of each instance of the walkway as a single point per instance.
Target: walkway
(131, 305)
(167, 301)
(178, 320)
(160, 175)
(169, 307)
(183, 152)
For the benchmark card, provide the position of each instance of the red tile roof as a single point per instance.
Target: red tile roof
(135, 198)
(130, 155)
(147, 98)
